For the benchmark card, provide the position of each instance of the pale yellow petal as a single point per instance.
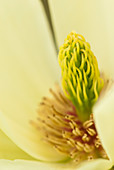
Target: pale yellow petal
(25, 165)
(29, 165)
(34, 165)
(104, 120)
(94, 20)
(28, 69)
(8, 150)
(109, 13)
(98, 164)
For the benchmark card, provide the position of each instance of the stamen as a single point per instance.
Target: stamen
(60, 127)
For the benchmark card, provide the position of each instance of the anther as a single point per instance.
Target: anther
(91, 131)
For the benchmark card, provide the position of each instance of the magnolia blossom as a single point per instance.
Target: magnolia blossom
(28, 68)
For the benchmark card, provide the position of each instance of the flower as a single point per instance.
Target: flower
(26, 76)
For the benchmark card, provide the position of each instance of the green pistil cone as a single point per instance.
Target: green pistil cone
(81, 79)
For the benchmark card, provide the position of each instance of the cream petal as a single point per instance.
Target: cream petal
(29, 165)
(28, 69)
(34, 165)
(8, 150)
(104, 121)
(92, 19)
(22, 165)
(109, 13)
(98, 164)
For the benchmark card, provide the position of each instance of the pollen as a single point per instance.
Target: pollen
(81, 79)
(60, 127)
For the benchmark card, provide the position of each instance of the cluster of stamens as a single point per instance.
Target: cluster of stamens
(60, 127)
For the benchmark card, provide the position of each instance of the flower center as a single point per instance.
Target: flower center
(81, 79)
(65, 120)
(60, 126)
